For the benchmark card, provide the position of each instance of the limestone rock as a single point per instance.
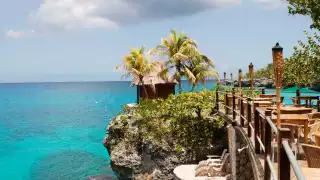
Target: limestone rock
(136, 158)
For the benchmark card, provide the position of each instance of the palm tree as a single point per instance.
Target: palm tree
(178, 49)
(200, 69)
(136, 64)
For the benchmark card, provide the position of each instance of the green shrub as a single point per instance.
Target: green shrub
(181, 121)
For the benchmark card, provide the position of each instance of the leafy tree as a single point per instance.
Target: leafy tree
(266, 72)
(182, 55)
(182, 121)
(302, 68)
(136, 64)
(201, 70)
(308, 8)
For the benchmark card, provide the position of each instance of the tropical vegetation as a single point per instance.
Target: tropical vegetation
(137, 64)
(302, 68)
(182, 121)
(307, 8)
(266, 72)
(182, 58)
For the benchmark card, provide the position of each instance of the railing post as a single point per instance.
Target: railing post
(241, 112)
(256, 129)
(249, 116)
(263, 124)
(267, 147)
(298, 96)
(283, 163)
(217, 99)
(226, 103)
(233, 104)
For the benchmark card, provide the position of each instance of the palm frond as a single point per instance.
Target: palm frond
(190, 76)
(164, 74)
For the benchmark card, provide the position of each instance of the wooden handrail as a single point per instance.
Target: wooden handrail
(264, 130)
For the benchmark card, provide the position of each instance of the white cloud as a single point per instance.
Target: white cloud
(72, 14)
(19, 34)
(272, 3)
(57, 15)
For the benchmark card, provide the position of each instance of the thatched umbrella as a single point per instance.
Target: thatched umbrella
(153, 78)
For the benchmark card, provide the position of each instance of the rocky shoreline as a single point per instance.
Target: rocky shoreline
(264, 82)
(144, 159)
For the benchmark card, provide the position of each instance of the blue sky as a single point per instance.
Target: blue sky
(83, 40)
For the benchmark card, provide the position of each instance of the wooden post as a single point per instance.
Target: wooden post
(267, 148)
(217, 99)
(241, 112)
(249, 116)
(256, 129)
(263, 91)
(318, 105)
(138, 94)
(263, 124)
(283, 160)
(298, 96)
(233, 104)
(232, 150)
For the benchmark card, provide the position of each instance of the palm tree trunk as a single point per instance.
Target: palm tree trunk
(144, 89)
(178, 67)
(193, 86)
(180, 88)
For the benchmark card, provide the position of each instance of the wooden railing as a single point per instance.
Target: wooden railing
(264, 132)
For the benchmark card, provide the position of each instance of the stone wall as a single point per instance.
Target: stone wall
(244, 169)
(247, 166)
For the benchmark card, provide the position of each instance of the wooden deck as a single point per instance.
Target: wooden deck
(309, 173)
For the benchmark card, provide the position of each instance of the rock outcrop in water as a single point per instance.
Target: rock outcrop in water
(143, 159)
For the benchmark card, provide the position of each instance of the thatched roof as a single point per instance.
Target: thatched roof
(153, 77)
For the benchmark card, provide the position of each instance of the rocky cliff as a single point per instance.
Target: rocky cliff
(135, 157)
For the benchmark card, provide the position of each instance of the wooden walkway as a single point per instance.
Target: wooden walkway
(309, 173)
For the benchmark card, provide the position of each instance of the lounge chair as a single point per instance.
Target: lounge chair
(217, 157)
(219, 163)
(220, 170)
(203, 167)
(212, 159)
(312, 155)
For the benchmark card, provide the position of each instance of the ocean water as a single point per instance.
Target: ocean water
(54, 131)
(287, 96)
(51, 131)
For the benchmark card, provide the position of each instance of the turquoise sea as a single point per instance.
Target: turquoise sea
(51, 131)
(54, 131)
